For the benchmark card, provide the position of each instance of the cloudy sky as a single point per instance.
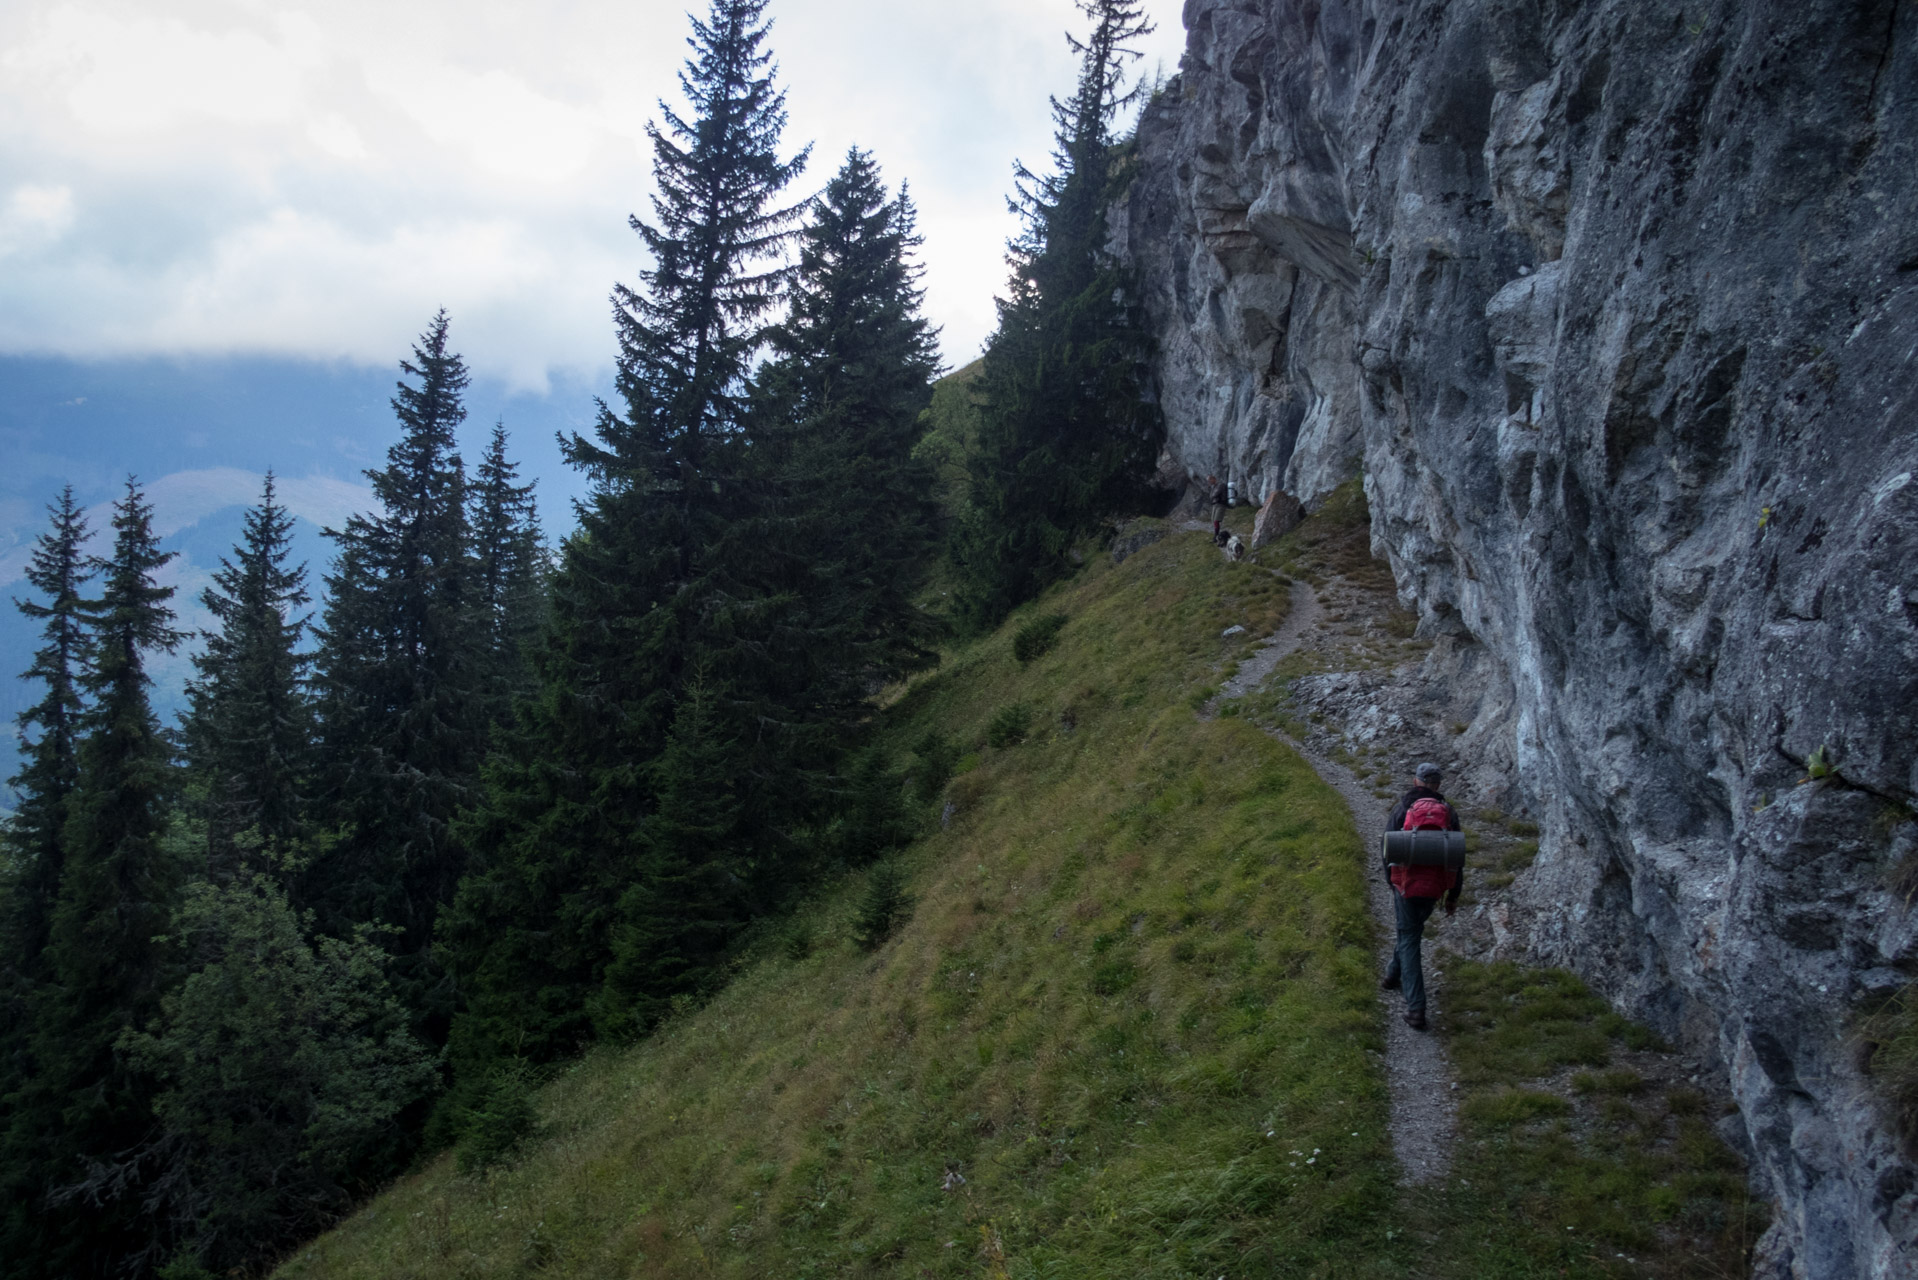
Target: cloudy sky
(192, 177)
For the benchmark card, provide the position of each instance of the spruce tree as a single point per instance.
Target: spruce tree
(49, 732)
(509, 576)
(398, 680)
(846, 511)
(33, 845)
(249, 729)
(637, 599)
(1066, 434)
(105, 963)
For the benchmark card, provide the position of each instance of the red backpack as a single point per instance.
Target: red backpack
(1428, 815)
(1425, 882)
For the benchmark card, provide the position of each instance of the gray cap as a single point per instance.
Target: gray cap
(1429, 774)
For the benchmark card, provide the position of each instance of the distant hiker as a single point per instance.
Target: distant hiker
(1221, 498)
(1416, 890)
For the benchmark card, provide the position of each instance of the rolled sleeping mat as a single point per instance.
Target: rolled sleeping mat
(1425, 849)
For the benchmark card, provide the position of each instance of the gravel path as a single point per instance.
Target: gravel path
(1304, 615)
(1424, 1106)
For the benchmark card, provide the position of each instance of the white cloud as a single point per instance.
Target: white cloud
(336, 136)
(326, 501)
(505, 127)
(197, 176)
(34, 216)
(139, 74)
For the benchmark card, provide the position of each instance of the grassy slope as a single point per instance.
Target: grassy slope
(1128, 1030)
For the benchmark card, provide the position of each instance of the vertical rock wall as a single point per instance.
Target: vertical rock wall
(1615, 305)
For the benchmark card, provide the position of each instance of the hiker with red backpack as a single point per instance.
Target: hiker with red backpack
(1417, 889)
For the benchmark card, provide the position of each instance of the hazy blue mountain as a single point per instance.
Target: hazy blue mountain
(199, 434)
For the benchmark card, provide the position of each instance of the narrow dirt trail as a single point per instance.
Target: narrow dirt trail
(1424, 1104)
(1303, 617)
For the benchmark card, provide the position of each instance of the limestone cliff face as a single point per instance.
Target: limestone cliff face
(1615, 305)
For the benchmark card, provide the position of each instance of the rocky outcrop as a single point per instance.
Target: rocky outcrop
(1281, 514)
(1615, 306)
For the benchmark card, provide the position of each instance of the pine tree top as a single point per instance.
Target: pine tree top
(853, 326)
(1064, 211)
(419, 527)
(687, 334)
(131, 615)
(261, 579)
(58, 569)
(433, 409)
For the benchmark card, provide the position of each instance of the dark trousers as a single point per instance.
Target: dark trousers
(1406, 964)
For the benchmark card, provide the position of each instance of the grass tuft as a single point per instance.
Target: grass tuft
(1889, 1037)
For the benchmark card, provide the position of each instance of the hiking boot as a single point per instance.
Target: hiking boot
(1390, 982)
(1415, 1019)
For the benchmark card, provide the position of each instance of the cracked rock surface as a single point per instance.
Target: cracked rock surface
(1615, 307)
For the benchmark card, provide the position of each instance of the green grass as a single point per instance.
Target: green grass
(1888, 1039)
(1128, 1027)
(1570, 1160)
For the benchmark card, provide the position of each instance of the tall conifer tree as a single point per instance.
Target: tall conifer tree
(49, 729)
(105, 962)
(400, 727)
(1066, 435)
(249, 730)
(34, 848)
(509, 575)
(846, 513)
(635, 601)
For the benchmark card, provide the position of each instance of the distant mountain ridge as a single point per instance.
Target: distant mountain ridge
(199, 434)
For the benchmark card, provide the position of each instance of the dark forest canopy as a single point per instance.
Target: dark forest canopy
(471, 802)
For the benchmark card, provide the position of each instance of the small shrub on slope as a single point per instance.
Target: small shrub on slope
(502, 1121)
(884, 905)
(1036, 638)
(1010, 726)
(938, 761)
